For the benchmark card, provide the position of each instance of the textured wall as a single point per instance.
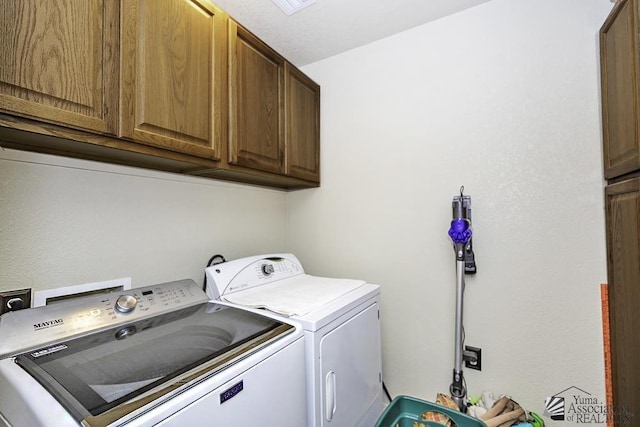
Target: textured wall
(503, 99)
(65, 222)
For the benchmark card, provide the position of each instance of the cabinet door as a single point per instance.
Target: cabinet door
(619, 69)
(623, 248)
(59, 61)
(173, 75)
(255, 115)
(302, 136)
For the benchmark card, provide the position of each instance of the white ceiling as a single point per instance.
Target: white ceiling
(329, 27)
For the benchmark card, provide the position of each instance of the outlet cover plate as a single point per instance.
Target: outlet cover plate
(478, 352)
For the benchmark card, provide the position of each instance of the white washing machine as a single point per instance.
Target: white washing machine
(158, 355)
(341, 322)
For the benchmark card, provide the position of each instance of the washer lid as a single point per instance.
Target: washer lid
(108, 375)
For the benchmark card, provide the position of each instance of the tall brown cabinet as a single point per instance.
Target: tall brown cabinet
(620, 68)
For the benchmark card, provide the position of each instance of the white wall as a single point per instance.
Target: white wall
(65, 222)
(503, 99)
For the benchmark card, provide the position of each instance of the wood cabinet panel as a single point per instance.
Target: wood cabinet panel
(172, 84)
(620, 72)
(174, 74)
(59, 61)
(623, 249)
(302, 137)
(256, 81)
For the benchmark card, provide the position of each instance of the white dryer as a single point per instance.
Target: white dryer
(341, 323)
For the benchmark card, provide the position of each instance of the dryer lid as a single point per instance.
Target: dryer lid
(295, 296)
(276, 282)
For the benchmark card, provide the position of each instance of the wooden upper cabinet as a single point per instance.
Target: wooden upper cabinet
(173, 83)
(302, 119)
(620, 89)
(623, 250)
(256, 123)
(59, 61)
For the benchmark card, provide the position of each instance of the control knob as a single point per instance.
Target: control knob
(126, 303)
(267, 269)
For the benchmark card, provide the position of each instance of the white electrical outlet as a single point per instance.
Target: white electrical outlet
(15, 300)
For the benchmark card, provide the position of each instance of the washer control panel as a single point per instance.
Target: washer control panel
(37, 326)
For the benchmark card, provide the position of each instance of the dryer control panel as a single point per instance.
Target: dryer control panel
(245, 273)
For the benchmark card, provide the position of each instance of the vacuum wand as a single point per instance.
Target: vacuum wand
(460, 233)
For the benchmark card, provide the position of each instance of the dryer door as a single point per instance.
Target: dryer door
(351, 368)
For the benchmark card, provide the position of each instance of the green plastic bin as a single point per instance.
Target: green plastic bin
(405, 411)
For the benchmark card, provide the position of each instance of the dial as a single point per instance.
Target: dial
(267, 269)
(126, 303)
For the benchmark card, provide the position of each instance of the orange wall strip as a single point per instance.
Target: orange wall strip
(604, 296)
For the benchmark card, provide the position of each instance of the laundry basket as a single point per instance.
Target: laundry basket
(405, 411)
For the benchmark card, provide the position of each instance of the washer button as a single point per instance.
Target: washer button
(125, 332)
